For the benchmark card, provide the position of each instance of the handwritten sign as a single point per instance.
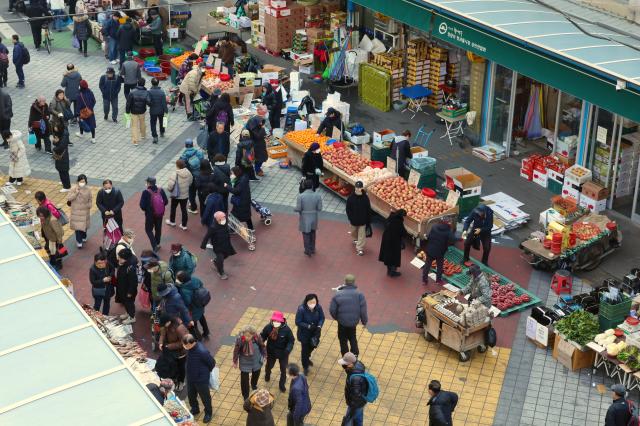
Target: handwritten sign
(542, 335)
(366, 151)
(452, 198)
(210, 60)
(414, 178)
(392, 165)
(532, 328)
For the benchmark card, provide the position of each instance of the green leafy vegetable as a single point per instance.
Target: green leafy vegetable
(580, 327)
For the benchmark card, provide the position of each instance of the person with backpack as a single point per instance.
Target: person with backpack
(171, 303)
(442, 404)
(620, 411)
(259, 138)
(126, 36)
(4, 64)
(182, 260)
(127, 284)
(195, 297)
(355, 390)
(153, 202)
(222, 111)
(218, 142)
(110, 202)
(245, 155)
(20, 57)
(157, 109)
(348, 307)
(179, 183)
(299, 402)
(172, 331)
(192, 157)
(100, 278)
(219, 240)
(110, 85)
(222, 175)
(212, 204)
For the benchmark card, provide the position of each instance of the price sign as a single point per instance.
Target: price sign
(414, 177)
(210, 59)
(452, 198)
(366, 151)
(532, 328)
(336, 134)
(542, 334)
(391, 165)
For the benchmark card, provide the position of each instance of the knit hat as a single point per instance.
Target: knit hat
(314, 146)
(277, 316)
(347, 359)
(188, 142)
(163, 289)
(619, 389)
(349, 279)
(176, 247)
(84, 84)
(262, 398)
(474, 270)
(218, 216)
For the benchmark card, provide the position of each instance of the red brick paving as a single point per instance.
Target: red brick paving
(282, 275)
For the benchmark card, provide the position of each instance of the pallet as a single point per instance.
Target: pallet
(461, 280)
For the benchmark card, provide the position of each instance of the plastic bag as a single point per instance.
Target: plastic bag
(144, 299)
(214, 379)
(75, 43)
(165, 121)
(127, 121)
(32, 138)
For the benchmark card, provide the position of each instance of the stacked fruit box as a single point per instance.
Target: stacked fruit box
(418, 62)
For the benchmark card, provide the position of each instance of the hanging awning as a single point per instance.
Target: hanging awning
(57, 366)
(579, 58)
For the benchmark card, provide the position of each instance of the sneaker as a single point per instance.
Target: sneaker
(18, 183)
(80, 135)
(114, 62)
(184, 228)
(63, 190)
(209, 246)
(20, 86)
(84, 240)
(79, 245)
(48, 152)
(168, 222)
(224, 276)
(360, 253)
(93, 140)
(394, 274)
(207, 418)
(155, 140)
(193, 211)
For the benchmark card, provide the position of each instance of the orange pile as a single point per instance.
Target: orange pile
(179, 60)
(307, 137)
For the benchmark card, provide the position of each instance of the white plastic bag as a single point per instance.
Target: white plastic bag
(214, 379)
(127, 121)
(165, 121)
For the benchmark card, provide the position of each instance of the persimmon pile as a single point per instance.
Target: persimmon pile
(346, 160)
(399, 195)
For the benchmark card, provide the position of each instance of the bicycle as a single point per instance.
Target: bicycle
(46, 38)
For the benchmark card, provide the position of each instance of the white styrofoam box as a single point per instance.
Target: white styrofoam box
(570, 191)
(294, 80)
(424, 153)
(360, 139)
(596, 206)
(338, 105)
(469, 192)
(571, 176)
(334, 97)
(550, 215)
(540, 178)
(555, 176)
(278, 4)
(378, 138)
(300, 125)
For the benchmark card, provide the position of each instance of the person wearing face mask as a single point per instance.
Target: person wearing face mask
(153, 202)
(159, 273)
(39, 123)
(218, 237)
(308, 205)
(312, 164)
(109, 201)
(188, 285)
(359, 215)
(110, 86)
(60, 139)
(332, 120)
(182, 260)
(100, 278)
(299, 402)
(240, 196)
(127, 284)
(80, 200)
(279, 339)
(60, 106)
(309, 321)
(248, 355)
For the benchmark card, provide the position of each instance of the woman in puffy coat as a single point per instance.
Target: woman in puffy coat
(248, 355)
(18, 163)
(81, 27)
(187, 286)
(309, 321)
(52, 232)
(80, 201)
(190, 87)
(178, 187)
(60, 106)
(241, 197)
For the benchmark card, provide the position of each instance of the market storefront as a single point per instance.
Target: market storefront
(547, 87)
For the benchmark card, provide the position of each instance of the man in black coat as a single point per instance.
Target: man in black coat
(355, 389)
(401, 152)
(391, 244)
(439, 239)
(441, 405)
(152, 215)
(157, 108)
(137, 102)
(218, 236)
(218, 142)
(109, 201)
(125, 36)
(200, 363)
(482, 219)
(6, 113)
(359, 215)
(618, 412)
(110, 85)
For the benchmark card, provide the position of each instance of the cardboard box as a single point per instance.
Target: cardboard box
(567, 354)
(386, 135)
(569, 191)
(278, 4)
(527, 174)
(595, 206)
(462, 178)
(594, 191)
(540, 178)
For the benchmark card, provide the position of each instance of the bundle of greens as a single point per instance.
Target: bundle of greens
(580, 327)
(630, 356)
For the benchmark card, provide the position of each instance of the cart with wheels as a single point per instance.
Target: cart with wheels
(242, 231)
(439, 327)
(263, 211)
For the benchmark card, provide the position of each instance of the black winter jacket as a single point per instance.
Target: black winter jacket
(110, 87)
(439, 239)
(157, 101)
(359, 209)
(310, 162)
(199, 364)
(391, 244)
(241, 189)
(212, 116)
(110, 202)
(283, 345)
(126, 35)
(401, 151)
(61, 151)
(222, 173)
(308, 321)
(441, 408)
(219, 237)
(356, 387)
(97, 276)
(6, 106)
(138, 101)
(218, 143)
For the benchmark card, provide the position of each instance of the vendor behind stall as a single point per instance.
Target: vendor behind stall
(482, 219)
(312, 164)
(401, 152)
(332, 119)
(479, 287)
(272, 99)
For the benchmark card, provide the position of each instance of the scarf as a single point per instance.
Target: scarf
(246, 345)
(274, 333)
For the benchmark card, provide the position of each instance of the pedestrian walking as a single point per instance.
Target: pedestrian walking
(6, 114)
(86, 107)
(127, 284)
(80, 201)
(153, 202)
(258, 406)
(245, 155)
(312, 164)
(43, 201)
(279, 340)
(440, 237)
(35, 12)
(157, 108)
(479, 286)
(188, 286)
(137, 102)
(60, 107)
(60, 139)
(155, 26)
(222, 112)
(172, 331)
(477, 228)
(110, 202)
(222, 176)
(58, 11)
(110, 32)
(218, 142)
(4, 67)
(355, 389)
(308, 205)
(220, 241)
(200, 363)
(38, 123)
(249, 353)
(401, 152)
(442, 404)
(391, 244)
(158, 273)
(272, 99)
(110, 86)
(126, 37)
(81, 28)
(130, 73)
(178, 186)
(203, 181)
(299, 402)
(182, 260)
(20, 57)
(53, 235)
(100, 275)
(240, 196)
(192, 158)
(309, 322)
(359, 214)
(190, 87)
(349, 307)
(18, 163)
(71, 83)
(259, 138)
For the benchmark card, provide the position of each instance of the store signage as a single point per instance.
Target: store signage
(461, 36)
(601, 134)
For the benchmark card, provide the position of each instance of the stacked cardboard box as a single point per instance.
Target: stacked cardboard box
(314, 16)
(453, 69)
(594, 197)
(418, 62)
(437, 75)
(281, 24)
(260, 35)
(300, 42)
(393, 64)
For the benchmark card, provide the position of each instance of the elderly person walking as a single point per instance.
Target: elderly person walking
(80, 201)
(52, 232)
(258, 406)
(308, 205)
(200, 363)
(86, 105)
(18, 162)
(178, 187)
(39, 123)
(71, 84)
(249, 354)
(218, 237)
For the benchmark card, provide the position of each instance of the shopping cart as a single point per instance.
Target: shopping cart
(264, 212)
(242, 231)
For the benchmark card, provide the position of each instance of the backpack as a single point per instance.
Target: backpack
(4, 58)
(194, 164)
(26, 55)
(248, 155)
(201, 297)
(222, 117)
(157, 203)
(634, 412)
(372, 386)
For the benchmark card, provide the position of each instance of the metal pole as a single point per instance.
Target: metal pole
(555, 131)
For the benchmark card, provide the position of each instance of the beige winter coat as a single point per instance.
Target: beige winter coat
(191, 83)
(184, 179)
(18, 162)
(80, 199)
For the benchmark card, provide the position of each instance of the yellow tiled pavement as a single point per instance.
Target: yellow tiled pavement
(403, 363)
(27, 190)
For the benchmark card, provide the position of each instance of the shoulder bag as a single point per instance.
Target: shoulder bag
(85, 112)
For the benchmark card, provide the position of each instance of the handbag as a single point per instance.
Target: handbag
(63, 219)
(175, 191)
(67, 114)
(58, 157)
(144, 299)
(235, 200)
(99, 292)
(214, 379)
(86, 111)
(62, 250)
(315, 339)
(368, 230)
(490, 337)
